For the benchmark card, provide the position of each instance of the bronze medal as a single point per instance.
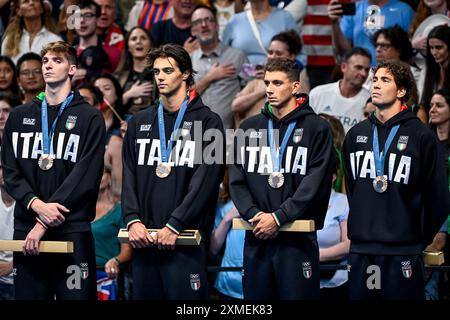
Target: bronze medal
(163, 170)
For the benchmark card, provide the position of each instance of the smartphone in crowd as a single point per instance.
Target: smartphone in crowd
(348, 8)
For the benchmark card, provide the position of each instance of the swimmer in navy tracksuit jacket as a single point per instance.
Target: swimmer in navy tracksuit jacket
(283, 265)
(390, 227)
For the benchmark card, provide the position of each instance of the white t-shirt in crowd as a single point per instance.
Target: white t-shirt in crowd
(6, 233)
(327, 99)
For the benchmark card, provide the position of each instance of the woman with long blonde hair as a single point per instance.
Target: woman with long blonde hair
(30, 28)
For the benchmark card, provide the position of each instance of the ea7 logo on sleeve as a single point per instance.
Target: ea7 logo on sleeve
(256, 134)
(361, 139)
(145, 127)
(29, 122)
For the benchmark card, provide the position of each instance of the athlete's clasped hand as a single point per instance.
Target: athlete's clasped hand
(264, 226)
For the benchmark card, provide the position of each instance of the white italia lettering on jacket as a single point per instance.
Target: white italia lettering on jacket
(259, 159)
(66, 150)
(363, 166)
(154, 156)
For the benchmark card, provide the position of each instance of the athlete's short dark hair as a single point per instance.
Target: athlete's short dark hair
(177, 53)
(284, 65)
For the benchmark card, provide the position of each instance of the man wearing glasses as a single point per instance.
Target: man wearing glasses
(217, 65)
(29, 69)
(86, 30)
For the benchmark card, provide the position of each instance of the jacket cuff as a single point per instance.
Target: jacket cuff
(251, 213)
(131, 218)
(42, 223)
(174, 225)
(29, 198)
(280, 217)
(276, 219)
(171, 228)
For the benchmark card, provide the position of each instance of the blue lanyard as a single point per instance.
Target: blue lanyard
(380, 157)
(46, 137)
(276, 158)
(165, 151)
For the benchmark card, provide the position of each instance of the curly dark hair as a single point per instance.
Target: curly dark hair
(399, 40)
(402, 76)
(284, 65)
(177, 53)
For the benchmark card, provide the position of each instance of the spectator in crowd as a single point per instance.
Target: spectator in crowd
(109, 252)
(111, 106)
(315, 26)
(252, 30)
(30, 28)
(8, 101)
(345, 98)
(334, 244)
(250, 100)
(393, 44)
(369, 108)
(270, 194)
(135, 79)
(31, 81)
(440, 124)
(178, 28)
(104, 56)
(440, 119)
(113, 152)
(8, 76)
(425, 9)
(437, 73)
(225, 10)
(91, 95)
(410, 193)
(145, 13)
(7, 204)
(171, 197)
(338, 139)
(217, 65)
(371, 15)
(229, 284)
(110, 33)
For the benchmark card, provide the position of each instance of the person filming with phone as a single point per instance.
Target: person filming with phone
(349, 32)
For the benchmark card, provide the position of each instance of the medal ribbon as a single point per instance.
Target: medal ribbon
(276, 158)
(46, 136)
(380, 157)
(166, 150)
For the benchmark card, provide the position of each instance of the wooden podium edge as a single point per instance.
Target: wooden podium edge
(182, 240)
(296, 226)
(44, 246)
